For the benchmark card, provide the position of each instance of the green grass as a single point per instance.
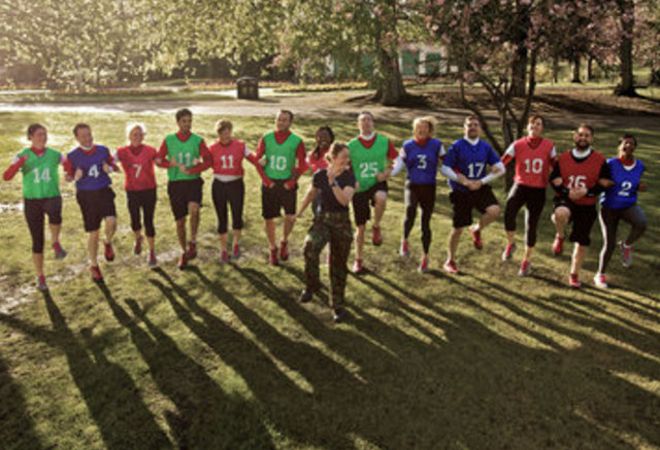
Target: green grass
(224, 356)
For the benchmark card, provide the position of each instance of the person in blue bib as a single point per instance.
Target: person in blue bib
(466, 165)
(89, 165)
(421, 157)
(619, 202)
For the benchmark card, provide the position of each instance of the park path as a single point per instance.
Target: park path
(322, 105)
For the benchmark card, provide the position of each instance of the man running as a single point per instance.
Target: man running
(578, 177)
(39, 165)
(178, 152)
(534, 157)
(283, 154)
(371, 156)
(89, 165)
(466, 165)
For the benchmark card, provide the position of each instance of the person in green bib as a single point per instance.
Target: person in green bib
(371, 156)
(179, 152)
(283, 156)
(39, 165)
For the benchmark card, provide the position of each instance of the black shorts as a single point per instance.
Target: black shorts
(582, 219)
(96, 206)
(363, 201)
(183, 192)
(35, 210)
(276, 198)
(464, 201)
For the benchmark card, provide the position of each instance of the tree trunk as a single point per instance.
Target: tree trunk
(590, 68)
(520, 59)
(555, 68)
(626, 86)
(577, 60)
(391, 90)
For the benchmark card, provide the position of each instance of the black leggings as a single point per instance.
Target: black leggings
(534, 200)
(422, 195)
(145, 201)
(609, 222)
(35, 210)
(232, 193)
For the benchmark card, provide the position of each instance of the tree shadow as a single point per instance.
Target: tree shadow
(205, 416)
(111, 396)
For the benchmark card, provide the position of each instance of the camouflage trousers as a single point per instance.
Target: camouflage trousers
(333, 228)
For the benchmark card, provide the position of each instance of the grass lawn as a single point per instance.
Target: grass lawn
(225, 357)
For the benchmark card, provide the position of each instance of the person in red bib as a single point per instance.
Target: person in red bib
(283, 155)
(137, 161)
(226, 157)
(534, 157)
(578, 177)
(39, 166)
(179, 152)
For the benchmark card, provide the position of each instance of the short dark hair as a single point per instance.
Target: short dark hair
(586, 126)
(180, 114)
(33, 128)
(79, 126)
(628, 136)
(286, 111)
(472, 117)
(533, 117)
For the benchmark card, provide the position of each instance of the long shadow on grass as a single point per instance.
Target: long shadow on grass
(17, 429)
(113, 399)
(294, 410)
(206, 417)
(477, 389)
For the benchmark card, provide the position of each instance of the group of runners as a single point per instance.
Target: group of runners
(355, 173)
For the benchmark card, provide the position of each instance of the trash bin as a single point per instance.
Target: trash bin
(248, 88)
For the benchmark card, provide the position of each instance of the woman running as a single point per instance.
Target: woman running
(137, 160)
(41, 195)
(421, 156)
(534, 157)
(334, 186)
(226, 157)
(619, 202)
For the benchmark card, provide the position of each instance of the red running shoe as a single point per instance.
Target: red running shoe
(574, 281)
(272, 260)
(476, 239)
(626, 255)
(224, 257)
(600, 280)
(376, 236)
(96, 274)
(183, 261)
(284, 251)
(450, 266)
(525, 268)
(41, 283)
(404, 250)
(236, 251)
(558, 245)
(508, 252)
(109, 252)
(192, 250)
(424, 264)
(60, 253)
(358, 267)
(152, 261)
(137, 247)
